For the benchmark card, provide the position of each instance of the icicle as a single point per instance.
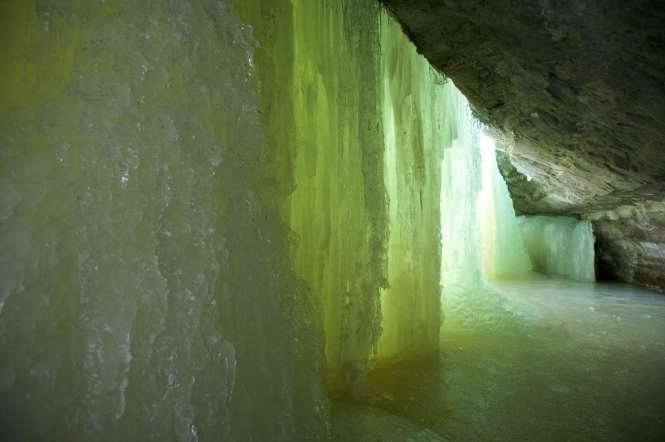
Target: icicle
(560, 246)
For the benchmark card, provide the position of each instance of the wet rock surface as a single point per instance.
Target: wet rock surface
(576, 91)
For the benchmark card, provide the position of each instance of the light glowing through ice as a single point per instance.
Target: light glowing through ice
(504, 254)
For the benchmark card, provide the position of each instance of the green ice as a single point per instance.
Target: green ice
(216, 214)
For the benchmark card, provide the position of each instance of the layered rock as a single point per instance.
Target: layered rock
(631, 243)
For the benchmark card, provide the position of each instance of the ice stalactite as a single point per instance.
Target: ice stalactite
(415, 107)
(481, 240)
(355, 123)
(504, 254)
(560, 246)
(462, 182)
(337, 208)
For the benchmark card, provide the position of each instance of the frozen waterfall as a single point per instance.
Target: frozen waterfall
(218, 214)
(560, 246)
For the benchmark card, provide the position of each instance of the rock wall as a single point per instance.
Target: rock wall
(631, 244)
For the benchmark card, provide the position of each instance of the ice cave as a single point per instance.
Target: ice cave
(332, 220)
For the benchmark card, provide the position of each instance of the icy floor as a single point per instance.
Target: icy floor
(569, 362)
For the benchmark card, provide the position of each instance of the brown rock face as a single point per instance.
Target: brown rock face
(577, 91)
(630, 244)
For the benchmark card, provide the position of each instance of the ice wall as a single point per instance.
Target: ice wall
(480, 235)
(480, 232)
(360, 166)
(504, 254)
(338, 207)
(145, 287)
(560, 246)
(318, 67)
(416, 103)
(462, 182)
(209, 207)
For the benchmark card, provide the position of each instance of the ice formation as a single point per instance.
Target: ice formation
(214, 209)
(146, 288)
(560, 246)
(359, 162)
(415, 103)
(480, 233)
(504, 254)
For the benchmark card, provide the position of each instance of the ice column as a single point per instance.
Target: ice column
(504, 254)
(338, 206)
(355, 118)
(462, 181)
(416, 101)
(480, 235)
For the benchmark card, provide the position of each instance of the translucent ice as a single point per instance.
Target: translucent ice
(481, 240)
(356, 120)
(415, 113)
(480, 233)
(504, 254)
(560, 246)
(212, 208)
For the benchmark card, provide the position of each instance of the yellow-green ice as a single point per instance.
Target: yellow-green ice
(215, 215)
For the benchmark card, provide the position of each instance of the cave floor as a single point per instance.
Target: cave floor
(564, 362)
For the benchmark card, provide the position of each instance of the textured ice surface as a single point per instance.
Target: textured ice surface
(480, 235)
(202, 205)
(416, 123)
(355, 118)
(146, 291)
(504, 254)
(560, 246)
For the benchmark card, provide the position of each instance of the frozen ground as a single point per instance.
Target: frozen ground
(565, 362)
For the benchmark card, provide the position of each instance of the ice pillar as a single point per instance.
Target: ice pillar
(415, 102)
(504, 254)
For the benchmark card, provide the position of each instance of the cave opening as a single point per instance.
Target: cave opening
(295, 220)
